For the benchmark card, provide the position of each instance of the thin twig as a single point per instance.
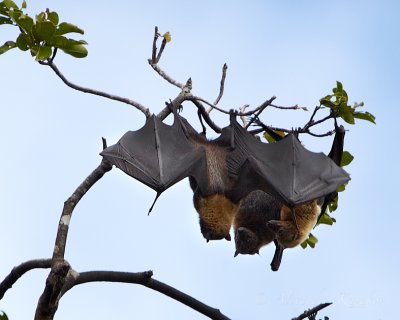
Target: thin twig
(165, 76)
(145, 279)
(18, 271)
(295, 107)
(259, 110)
(163, 44)
(222, 85)
(133, 103)
(154, 50)
(312, 311)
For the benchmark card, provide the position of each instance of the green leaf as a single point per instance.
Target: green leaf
(328, 103)
(347, 115)
(44, 53)
(23, 6)
(304, 108)
(4, 20)
(341, 188)
(65, 27)
(365, 116)
(312, 240)
(347, 158)
(326, 219)
(41, 17)
(24, 42)
(3, 316)
(10, 4)
(77, 51)
(53, 17)
(44, 31)
(25, 22)
(7, 46)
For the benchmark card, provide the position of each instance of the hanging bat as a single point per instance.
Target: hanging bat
(261, 219)
(224, 170)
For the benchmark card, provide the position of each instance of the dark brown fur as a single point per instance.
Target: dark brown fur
(260, 219)
(250, 223)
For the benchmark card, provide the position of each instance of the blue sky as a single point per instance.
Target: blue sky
(296, 50)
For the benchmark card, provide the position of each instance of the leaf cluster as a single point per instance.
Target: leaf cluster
(338, 103)
(42, 35)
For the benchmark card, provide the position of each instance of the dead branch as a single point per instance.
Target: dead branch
(18, 271)
(222, 84)
(70, 204)
(48, 301)
(155, 58)
(133, 103)
(311, 313)
(145, 279)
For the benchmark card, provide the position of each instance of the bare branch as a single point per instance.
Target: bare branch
(154, 50)
(258, 111)
(145, 279)
(164, 75)
(222, 84)
(133, 103)
(69, 206)
(312, 312)
(178, 100)
(213, 106)
(48, 302)
(295, 107)
(18, 271)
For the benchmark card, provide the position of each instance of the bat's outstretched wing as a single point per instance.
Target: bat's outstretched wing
(284, 169)
(159, 155)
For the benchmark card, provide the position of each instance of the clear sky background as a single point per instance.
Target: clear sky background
(296, 50)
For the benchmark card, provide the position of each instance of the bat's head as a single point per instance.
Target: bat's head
(246, 241)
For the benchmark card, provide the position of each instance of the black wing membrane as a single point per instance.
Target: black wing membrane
(159, 155)
(284, 169)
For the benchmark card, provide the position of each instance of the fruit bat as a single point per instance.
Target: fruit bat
(223, 170)
(261, 219)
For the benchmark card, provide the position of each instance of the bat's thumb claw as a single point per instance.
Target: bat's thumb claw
(228, 237)
(236, 254)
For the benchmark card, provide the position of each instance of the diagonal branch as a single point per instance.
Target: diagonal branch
(145, 279)
(313, 311)
(137, 105)
(70, 204)
(18, 271)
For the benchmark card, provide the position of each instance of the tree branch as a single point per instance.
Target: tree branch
(145, 279)
(69, 206)
(48, 301)
(18, 271)
(221, 86)
(133, 103)
(312, 312)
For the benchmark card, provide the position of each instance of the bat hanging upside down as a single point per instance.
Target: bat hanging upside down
(224, 170)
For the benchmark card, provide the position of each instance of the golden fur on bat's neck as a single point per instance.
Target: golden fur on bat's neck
(216, 214)
(306, 218)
